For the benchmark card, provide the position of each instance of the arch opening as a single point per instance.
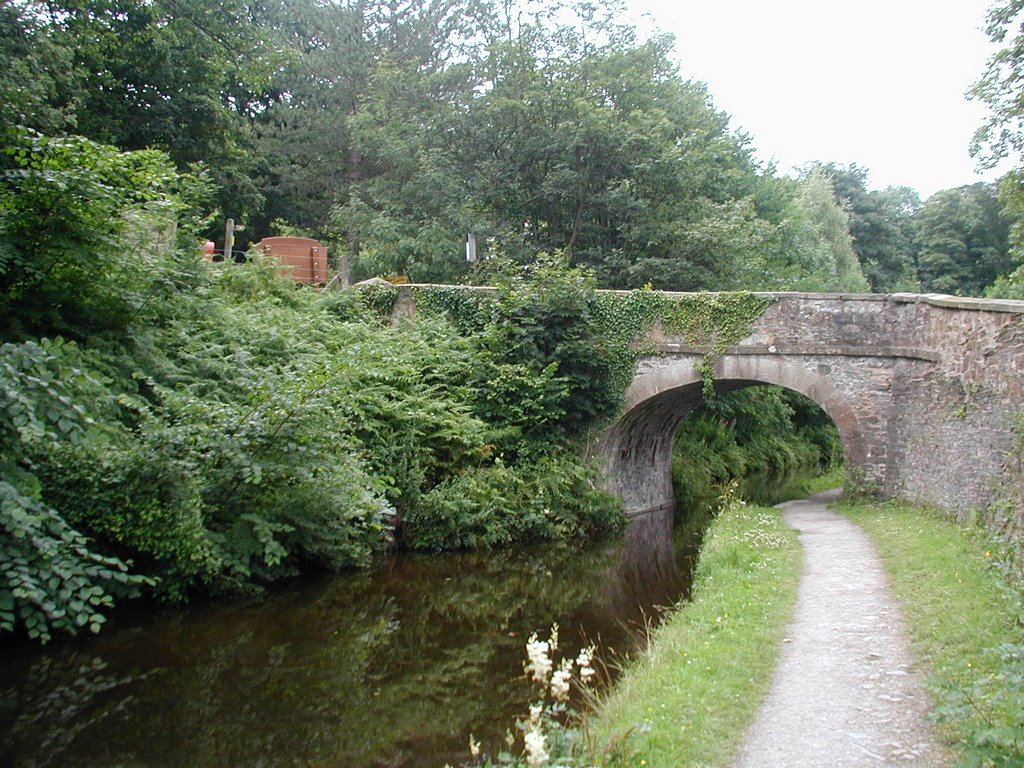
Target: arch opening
(637, 451)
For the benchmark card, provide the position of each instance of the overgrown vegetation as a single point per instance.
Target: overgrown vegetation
(966, 621)
(213, 428)
(547, 312)
(758, 431)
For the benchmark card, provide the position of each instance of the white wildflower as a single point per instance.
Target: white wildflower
(536, 748)
(474, 746)
(585, 661)
(560, 681)
(536, 710)
(538, 664)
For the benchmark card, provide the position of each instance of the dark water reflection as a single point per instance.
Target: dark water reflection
(389, 668)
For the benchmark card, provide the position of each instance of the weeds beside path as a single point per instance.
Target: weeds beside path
(965, 623)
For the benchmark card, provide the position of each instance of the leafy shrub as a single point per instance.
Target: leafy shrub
(277, 482)
(81, 226)
(551, 499)
(546, 320)
(545, 370)
(142, 500)
(51, 576)
(990, 708)
(705, 458)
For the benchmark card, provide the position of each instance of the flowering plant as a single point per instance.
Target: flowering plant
(554, 732)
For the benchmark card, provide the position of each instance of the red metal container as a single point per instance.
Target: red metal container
(301, 258)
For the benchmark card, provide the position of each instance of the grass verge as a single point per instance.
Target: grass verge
(687, 700)
(965, 625)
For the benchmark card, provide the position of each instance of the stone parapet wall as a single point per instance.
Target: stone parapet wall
(923, 388)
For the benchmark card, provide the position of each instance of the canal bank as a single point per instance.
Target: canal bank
(396, 666)
(690, 698)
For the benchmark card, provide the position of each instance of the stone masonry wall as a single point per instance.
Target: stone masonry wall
(952, 430)
(922, 388)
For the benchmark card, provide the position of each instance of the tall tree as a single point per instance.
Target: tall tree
(1001, 136)
(37, 73)
(359, 63)
(556, 136)
(963, 240)
(881, 226)
(184, 76)
(817, 231)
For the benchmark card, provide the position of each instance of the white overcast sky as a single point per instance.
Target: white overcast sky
(879, 83)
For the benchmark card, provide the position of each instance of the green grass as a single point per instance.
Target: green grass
(957, 609)
(687, 700)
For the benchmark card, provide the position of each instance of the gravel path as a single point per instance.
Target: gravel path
(845, 693)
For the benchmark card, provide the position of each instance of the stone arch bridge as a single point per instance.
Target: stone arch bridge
(924, 389)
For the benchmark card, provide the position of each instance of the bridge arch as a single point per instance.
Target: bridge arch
(637, 451)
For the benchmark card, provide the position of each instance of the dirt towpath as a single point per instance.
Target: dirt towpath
(845, 693)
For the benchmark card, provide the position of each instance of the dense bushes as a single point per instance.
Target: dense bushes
(50, 577)
(548, 499)
(79, 223)
(251, 429)
(216, 427)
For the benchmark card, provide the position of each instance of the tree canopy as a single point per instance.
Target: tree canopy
(395, 129)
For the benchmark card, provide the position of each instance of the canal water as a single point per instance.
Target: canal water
(392, 667)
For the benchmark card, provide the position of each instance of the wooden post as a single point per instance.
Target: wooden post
(229, 238)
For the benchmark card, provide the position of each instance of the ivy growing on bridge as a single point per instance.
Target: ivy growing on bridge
(619, 323)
